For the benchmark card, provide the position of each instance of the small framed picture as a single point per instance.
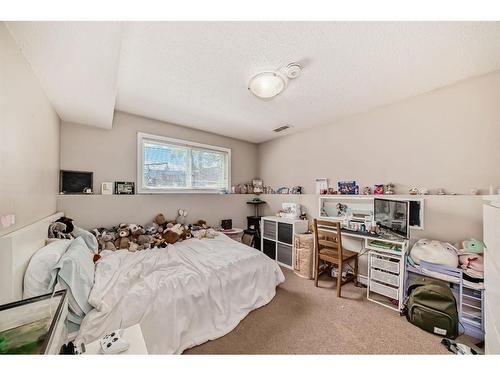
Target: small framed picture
(107, 188)
(124, 188)
(226, 223)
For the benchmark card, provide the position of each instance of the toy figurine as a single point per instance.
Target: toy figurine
(389, 189)
(367, 190)
(423, 191)
(341, 209)
(332, 191)
(378, 189)
(413, 191)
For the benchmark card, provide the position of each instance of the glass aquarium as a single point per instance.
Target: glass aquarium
(35, 325)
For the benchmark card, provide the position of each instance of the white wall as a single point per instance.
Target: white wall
(447, 138)
(111, 155)
(29, 140)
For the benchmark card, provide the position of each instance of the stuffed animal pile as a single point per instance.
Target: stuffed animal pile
(61, 228)
(158, 233)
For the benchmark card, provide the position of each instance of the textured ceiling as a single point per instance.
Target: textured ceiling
(76, 64)
(196, 73)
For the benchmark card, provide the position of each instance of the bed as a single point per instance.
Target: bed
(183, 295)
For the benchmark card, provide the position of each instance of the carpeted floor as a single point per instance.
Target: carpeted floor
(303, 319)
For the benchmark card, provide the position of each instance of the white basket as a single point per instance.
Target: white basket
(385, 290)
(385, 264)
(385, 277)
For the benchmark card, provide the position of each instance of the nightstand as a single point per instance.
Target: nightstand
(131, 334)
(234, 233)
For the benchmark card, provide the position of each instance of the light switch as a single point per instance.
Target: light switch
(7, 220)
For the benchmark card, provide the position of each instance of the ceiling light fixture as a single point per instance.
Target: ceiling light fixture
(267, 85)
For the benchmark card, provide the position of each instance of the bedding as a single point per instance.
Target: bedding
(182, 295)
(89, 238)
(75, 273)
(38, 275)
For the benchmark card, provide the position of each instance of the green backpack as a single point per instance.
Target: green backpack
(431, 306)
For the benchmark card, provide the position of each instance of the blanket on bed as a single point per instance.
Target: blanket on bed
(182, 295)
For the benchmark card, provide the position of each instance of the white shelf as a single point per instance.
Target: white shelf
(297, 226)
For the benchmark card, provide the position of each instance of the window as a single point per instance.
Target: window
(167, 165)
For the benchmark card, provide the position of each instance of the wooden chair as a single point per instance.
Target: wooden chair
(328, 248)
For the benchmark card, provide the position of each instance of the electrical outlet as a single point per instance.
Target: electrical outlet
(7, 221)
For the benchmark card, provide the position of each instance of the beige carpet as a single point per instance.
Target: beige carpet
(302, 319)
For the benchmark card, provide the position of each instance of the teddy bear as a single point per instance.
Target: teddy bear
(144, 241)
(171, 237)
(160, 221)
(181, 216)
(151, 228)
(123, 241)
(186, 233)
(200, 224)
(135, 231)
(69, 224)
(133, 228)
(138, 237)
(159, 241)
(106, 240)
(205, 233)
(173, 233)
(58, 230)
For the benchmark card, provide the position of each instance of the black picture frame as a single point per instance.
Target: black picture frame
(74, 182)
(226, 224)
(124, 188)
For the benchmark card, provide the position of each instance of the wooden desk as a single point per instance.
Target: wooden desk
(386, 267)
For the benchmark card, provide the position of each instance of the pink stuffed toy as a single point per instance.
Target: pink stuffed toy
(474, 262)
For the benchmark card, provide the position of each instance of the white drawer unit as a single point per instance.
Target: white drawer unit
(386, 273)
(277, 238)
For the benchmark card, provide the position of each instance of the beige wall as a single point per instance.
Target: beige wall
(447, 138)
(29, 140)
(111, 155)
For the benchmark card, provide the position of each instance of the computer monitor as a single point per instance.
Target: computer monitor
(392, 215)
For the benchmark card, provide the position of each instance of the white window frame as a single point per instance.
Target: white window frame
(141, 189)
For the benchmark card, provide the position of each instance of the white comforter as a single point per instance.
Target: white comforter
(182, 295)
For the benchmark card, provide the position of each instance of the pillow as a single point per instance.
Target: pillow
(38, 276)
(75, 273)
(88, 237)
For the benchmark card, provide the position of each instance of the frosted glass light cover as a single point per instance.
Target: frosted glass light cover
(267, 85)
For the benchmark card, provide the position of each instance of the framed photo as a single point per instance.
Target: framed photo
(226, 224)
(107, 188)
(348, 187)
(124, 188)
